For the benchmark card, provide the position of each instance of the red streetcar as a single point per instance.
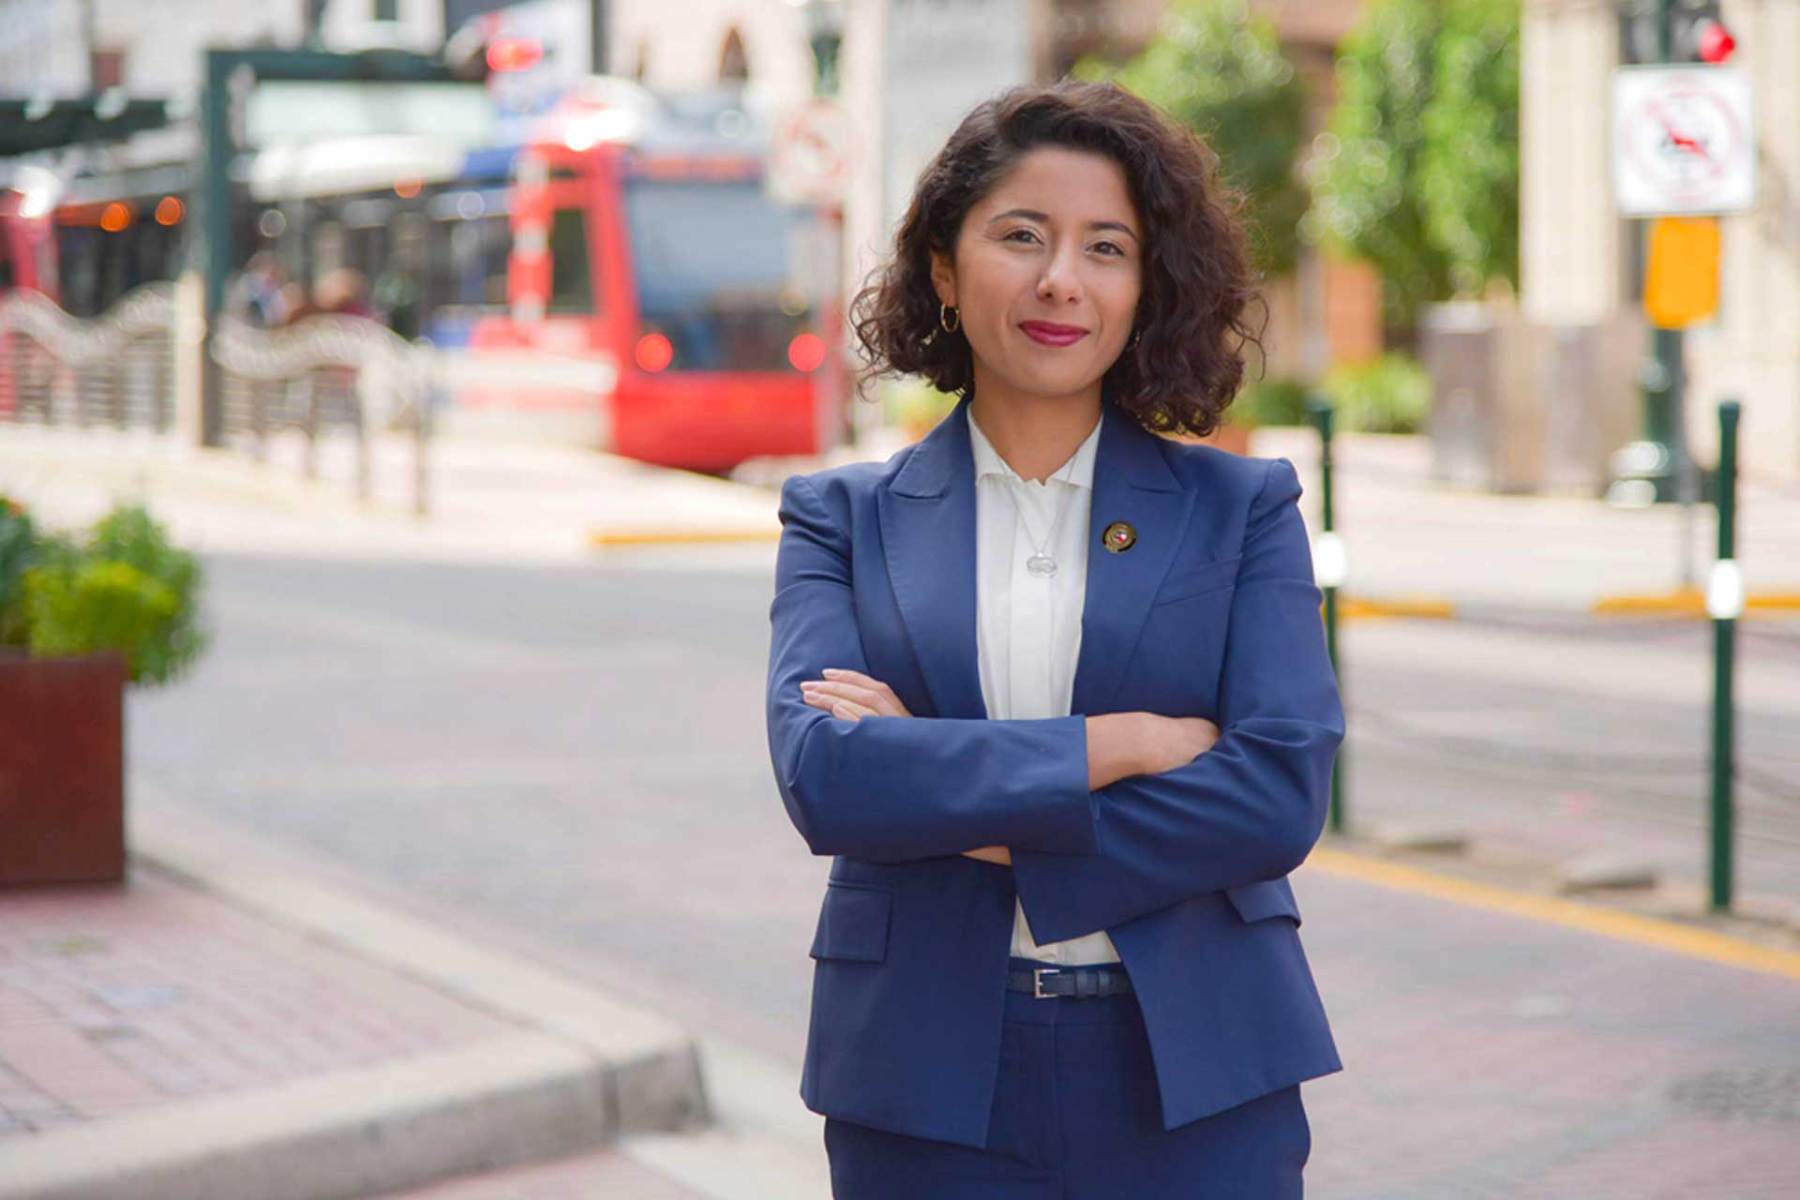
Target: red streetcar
(643, 236)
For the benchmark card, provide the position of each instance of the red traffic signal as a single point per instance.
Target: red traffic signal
(1714, 42)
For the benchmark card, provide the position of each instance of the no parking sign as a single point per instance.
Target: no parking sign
(1683, 141)
(809, 157)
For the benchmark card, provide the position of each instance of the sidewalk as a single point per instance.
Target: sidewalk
(222, 1026)
(489, 501)
(1406, 536)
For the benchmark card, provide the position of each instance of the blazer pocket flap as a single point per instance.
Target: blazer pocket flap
(1265, 898)
(853, 922)
(1195, 581)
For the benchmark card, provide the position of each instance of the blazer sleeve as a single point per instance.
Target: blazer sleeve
(1252, 806)
(896, 788)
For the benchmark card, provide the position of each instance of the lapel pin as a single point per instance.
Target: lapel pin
(1119, 537)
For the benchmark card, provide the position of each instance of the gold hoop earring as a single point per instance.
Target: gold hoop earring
(944, 311)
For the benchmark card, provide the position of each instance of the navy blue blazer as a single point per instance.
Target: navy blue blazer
(1212, 613)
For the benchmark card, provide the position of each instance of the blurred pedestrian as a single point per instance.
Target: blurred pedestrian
(1054, 692)
(396, 296)
(338, 291)
(258, 294)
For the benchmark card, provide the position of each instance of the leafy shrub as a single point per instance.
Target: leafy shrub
(1388, 394)
(124, 587)
(98, 605)
(1277, 401)
(18, 549)
(916, 404)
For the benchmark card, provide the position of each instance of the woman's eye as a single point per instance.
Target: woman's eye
(1116, 250)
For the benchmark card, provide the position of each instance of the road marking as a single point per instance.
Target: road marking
(1629, 927)
(664, 537)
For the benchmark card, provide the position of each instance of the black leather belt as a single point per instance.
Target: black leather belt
(1043, 983)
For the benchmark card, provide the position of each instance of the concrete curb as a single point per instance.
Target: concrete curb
(582, 1070)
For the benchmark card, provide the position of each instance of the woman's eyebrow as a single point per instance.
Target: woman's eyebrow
(1031, 214)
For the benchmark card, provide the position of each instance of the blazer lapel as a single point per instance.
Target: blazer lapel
(1132, 483)
(927, 516)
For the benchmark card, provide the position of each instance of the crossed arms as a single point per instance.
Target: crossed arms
(889, 789)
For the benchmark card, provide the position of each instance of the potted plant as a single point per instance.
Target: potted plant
(80, 617)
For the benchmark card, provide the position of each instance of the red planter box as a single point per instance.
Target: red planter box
(62, 769)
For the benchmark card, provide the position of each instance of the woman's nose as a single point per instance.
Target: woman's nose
(1059, 282)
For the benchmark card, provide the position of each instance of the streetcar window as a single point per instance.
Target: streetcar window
(571, 281)
(718, 271)
(6, 267)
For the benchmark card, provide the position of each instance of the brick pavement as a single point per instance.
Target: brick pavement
(115, 998)
(1494, 1056)
(170, 1037)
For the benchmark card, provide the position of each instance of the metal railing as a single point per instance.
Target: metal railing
(325, 377)
(114, 370)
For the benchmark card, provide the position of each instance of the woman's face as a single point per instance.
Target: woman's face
(1057, 242)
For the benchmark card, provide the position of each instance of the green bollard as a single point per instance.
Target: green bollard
(1329, 567)
(1724, 603)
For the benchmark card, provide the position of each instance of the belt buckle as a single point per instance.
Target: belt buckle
(1037, 982)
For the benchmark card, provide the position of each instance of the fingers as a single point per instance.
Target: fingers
(839, 707)
(868, 697)
(891, 705)
(862, 691)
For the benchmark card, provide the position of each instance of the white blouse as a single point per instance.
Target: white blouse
(1029, 627)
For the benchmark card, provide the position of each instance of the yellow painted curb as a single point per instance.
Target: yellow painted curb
(1671, 936)
(1689, 602)
(1356, 608)
(673, 537)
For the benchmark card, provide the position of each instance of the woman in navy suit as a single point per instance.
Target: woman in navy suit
(1053, 693)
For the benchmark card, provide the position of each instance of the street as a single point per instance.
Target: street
(570, 761)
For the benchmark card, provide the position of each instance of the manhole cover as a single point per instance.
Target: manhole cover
(1766, 1094)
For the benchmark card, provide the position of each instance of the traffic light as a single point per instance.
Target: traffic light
(1714, 41)
(1696, 32)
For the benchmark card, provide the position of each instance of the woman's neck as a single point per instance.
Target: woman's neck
(1035, 434)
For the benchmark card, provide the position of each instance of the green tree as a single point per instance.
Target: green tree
(1221, 72)
(1367, 188)
(1422, 178)
(1469, 177)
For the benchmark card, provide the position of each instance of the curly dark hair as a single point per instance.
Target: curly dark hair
(1188, 362)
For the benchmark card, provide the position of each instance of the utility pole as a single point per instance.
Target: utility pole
(598, 43)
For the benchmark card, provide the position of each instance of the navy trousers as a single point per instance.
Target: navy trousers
(1076, 1117)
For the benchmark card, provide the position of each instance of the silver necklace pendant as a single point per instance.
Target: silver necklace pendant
(1041, 564)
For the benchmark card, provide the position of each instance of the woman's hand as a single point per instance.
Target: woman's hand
(852, 695)
(1170, 742)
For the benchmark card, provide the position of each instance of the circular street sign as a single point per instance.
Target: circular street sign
(1681, 140)
(809, 161)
